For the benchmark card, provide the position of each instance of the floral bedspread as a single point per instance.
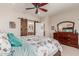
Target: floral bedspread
(31, 46)
(44, 46)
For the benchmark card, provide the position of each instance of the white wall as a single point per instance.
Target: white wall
(8, 14)
(71, 14)
(47, 25)
(5, 18)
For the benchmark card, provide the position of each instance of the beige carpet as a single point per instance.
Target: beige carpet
(69, 51)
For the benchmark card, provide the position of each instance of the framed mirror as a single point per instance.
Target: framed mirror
(65, 26)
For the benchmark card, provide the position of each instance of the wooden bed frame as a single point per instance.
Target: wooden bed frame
(58, 53)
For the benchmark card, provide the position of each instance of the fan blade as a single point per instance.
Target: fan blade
(35, 4)
(30, 8)
(42, 4)
(43, 9)
(36, 11)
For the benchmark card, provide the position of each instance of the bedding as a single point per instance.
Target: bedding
(5, 46)
(30, 46)
(14, 41)
(37, 46)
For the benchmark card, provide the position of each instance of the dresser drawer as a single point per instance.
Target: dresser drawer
(72, 44)
(71, 36)
(67, 38)
(73, 41)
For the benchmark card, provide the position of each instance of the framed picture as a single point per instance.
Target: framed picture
(52, 28)
(12, 24)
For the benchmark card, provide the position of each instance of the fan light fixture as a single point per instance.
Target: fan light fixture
(38, 6)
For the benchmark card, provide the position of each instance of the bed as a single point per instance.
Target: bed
(32, 46)
(38, 46)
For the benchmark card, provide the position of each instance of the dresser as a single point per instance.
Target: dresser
(67, 38)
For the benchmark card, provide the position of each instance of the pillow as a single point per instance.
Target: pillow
(5, 46)
(15, 42)
(3, 35)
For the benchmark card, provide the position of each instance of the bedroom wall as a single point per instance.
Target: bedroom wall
(8, 14)
(47, 25)
(71, 14)
(5, 18)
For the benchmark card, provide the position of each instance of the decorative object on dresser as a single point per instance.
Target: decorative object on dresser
(66, 34)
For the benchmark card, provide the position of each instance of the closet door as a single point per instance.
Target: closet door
(40, 29)
(23, 27)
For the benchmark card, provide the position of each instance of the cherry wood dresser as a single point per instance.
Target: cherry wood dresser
(67, 38)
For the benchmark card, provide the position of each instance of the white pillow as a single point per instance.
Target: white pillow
(4, 35)
(5, 46)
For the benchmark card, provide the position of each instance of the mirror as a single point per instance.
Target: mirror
(65, 26)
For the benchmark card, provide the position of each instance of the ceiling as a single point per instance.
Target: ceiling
(52, 8)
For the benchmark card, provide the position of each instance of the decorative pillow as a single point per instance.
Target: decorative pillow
(15, 42)
(5, 46)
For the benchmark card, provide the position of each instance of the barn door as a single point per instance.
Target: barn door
(23, 27)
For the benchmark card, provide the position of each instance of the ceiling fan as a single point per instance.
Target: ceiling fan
(38, 6)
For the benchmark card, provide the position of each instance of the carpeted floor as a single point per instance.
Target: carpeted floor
(69, 51)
